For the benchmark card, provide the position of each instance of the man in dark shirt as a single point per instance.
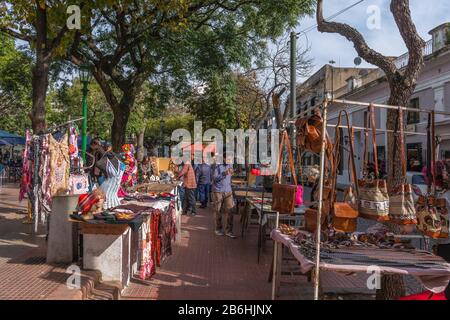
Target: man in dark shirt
(203, 175)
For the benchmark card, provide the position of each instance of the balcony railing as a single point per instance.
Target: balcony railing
(402, 61)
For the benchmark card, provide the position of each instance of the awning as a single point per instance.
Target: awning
(7, 138)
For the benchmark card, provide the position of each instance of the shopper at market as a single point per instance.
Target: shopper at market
(96, 149)
(145, 170)
(203, 175)
(189, 185)
(223, 196)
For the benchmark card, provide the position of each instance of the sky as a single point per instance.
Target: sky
(426, 14)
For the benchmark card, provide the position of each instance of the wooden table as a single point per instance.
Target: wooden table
(266, 217)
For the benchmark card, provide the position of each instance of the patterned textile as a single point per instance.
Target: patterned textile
(147, 266)
(150, 246)
(59, 165)
(26, 173)
(129, 178)
(112, 184)
(44, 173)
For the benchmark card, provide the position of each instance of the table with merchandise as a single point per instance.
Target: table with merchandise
(132, 238)
(363, 252)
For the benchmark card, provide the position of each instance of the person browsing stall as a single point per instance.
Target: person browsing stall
(223, 196)
(203, 175)
(189, 185)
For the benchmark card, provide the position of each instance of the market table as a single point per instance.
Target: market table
(432, 271)
(267, 215)
(116, 249)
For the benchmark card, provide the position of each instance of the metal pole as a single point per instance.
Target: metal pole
(85, 115)
(275, 259)
(319, 213)
(293, 72)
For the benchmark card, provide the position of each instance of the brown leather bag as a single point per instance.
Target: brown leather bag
(311, 220)
(309, 135)
(345, 216)
(283, 196)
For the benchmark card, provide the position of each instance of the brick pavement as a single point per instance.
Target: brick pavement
(206, 267)
(24, 275)
(203, 266)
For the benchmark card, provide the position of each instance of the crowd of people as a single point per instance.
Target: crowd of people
(210, 183)
(203, 183)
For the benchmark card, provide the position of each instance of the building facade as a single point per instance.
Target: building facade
(432, 93)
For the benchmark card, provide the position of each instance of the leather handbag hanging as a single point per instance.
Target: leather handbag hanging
(284, 196)
(345, 215)
(401, 201)
(309, 135)
(373, 198)
(432, 213)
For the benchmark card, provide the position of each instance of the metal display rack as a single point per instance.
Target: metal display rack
(323, 107)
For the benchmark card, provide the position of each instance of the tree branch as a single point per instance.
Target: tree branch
(414, 43)
(364, 51)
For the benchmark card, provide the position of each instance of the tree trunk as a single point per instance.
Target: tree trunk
(40, 72)
(140, 145)
(40, 85)
(119, 125)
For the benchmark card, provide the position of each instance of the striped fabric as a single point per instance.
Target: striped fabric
(112, 184)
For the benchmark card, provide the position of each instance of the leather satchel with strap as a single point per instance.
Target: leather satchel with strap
(283, 196)
(401, 201)
(309, 135)
(345, 215)
(432, 212)
(373, 198)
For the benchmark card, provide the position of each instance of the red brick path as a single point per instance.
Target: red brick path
(205, 267)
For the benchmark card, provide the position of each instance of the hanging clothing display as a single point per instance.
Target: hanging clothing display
(130, 175)
(111, 185)
(59, 165)
(26, 171)
(44, 173)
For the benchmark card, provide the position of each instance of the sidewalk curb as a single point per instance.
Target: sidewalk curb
(91, 286)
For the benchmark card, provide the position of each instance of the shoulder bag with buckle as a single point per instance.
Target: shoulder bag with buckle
(345, 215)
(432, 213)
(401, 201)
(373, 198)
(283, 196)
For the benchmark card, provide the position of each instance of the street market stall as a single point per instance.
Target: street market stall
(111, 224)
(329, 240)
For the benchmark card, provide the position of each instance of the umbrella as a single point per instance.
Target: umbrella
(200, 147)
(11, 138)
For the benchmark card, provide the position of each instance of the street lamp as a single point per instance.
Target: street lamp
(332, 62)
(85, 78)
(162, 125)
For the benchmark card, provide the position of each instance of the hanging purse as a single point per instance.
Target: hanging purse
(345, 216)
(284, 196)
(373, 198)
(78, 183)
(401, 201)
(309, 135)
(432, 213)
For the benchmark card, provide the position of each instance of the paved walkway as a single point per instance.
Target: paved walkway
(207, 267)
(24, 274)
(203, 266)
